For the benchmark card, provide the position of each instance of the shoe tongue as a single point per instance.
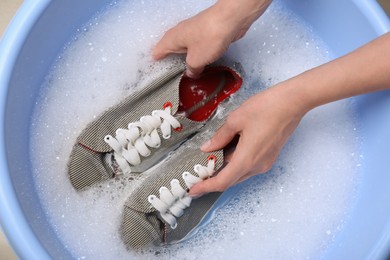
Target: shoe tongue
(110, 163)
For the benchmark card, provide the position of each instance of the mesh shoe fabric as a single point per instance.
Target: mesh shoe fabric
(134, 135)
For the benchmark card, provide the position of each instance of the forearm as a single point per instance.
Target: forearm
(364, 70)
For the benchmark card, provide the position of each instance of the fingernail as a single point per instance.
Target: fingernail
(191, 74)
(205, 145)
(196, 195)
(156, 56)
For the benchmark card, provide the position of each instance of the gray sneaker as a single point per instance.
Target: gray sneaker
(160, 211)
(134, 135)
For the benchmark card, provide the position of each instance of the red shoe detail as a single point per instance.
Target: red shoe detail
(178, 129)
(193, 91)
(167, 104)
(212, 157)
(88, 148)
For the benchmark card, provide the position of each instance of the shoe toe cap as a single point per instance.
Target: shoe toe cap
(140, 230)
(86, 168)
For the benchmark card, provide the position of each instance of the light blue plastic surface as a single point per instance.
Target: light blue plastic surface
(40, 30)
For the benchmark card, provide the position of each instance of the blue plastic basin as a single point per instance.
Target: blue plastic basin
(40, 30)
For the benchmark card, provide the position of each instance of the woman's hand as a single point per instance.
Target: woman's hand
(206, 36)
(263, 123)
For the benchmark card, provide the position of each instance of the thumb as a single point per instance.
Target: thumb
(195, 63)
(226, 178)
(200, 55)
(193, 72)
(221, 138)
(169, 43)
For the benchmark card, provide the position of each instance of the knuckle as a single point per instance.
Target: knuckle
(265, 167)
(220, 185)
(170, 33)
(232, 119)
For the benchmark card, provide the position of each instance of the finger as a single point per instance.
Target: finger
(168, 44)
(193, 73)
(220, 139)
(199, 55)
(226, 178)
(195, 64)
(260, 169)
(247, 176)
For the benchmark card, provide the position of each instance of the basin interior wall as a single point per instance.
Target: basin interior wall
(343, 24)
(52, 30)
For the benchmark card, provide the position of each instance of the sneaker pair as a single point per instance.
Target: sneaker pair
(139, 132)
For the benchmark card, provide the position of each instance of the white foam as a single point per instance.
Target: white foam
(294, 211)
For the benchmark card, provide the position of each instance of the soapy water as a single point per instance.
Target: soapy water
(294, 211)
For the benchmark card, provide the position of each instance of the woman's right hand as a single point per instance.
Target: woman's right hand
(206, 36)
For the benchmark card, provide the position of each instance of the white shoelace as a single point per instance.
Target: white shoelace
(172, 203)
(129, 144)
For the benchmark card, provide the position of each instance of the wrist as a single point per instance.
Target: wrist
(315, 87)
(295, 96)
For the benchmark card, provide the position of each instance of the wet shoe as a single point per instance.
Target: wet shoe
(159, 211)
(134, 135)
